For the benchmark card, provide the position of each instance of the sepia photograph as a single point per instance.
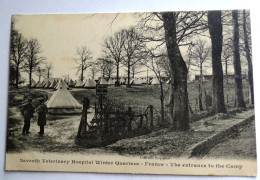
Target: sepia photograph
(167, 92)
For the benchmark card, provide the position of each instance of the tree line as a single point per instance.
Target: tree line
(156, 43)
(25, 56)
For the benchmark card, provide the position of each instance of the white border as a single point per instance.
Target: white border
(9, 7)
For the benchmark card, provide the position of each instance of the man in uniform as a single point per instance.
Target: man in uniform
(27, 113)
(42, 110)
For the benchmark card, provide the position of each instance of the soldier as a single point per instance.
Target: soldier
(27, 113)
(42, 110)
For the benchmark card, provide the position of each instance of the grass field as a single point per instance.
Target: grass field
(137, 97)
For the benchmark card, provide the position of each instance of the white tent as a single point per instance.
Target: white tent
(137, 81)
(62, 102)
(53, 84)
(111, 82)
(71, 83)
(122, 80)
(38, 84)
(33, 85)
(79, 84)
(102, 81)
(47, 84)
(61, 84)
(155, 81)
(90, 83)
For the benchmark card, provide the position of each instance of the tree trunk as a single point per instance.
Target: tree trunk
(128, 74)
(180, 119)
(17, 76)
(30, 78)
(117, 74)
(236, 61)
(215, 30)
(162, 104)
(81, 78)
(226, 71)
(249, 60)
(200, 89)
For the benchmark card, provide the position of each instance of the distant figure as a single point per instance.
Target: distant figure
(42, 110)
(27, 113)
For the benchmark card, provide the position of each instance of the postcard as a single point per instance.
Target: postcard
(144, 92)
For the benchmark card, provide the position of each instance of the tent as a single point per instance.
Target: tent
(38, 84)
(62, 102)
(33, 85)
(137, 81)
(79, 84)
(47, 84)
(111, 82)
(42, 84)
(102, 81)
(61, 84)
(155, 81)
(122, 81)
(90, 83)
(53, 84)
(71, 83)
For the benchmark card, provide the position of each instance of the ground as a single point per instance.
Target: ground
(240, 145)
(61, 131)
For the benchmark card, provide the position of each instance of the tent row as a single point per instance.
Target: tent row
(55, 83)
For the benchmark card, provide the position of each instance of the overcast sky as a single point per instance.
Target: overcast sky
(60, 35)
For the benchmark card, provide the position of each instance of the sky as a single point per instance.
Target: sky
(60, 34)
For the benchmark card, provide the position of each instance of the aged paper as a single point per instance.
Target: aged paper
(145, 93)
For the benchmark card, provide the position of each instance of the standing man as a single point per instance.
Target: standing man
(27, 113)
(42, 110)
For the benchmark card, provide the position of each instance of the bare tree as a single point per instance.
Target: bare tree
(200, 54)
(40, 72)
(113, 47)
(237, 62)
(178, 73)
(48, 69)
(106, 66)
(173, 29)
(93, 70)
(17, 51)
(136, 69)
(155, 63)
(33, 58)
(83, 61)
(131, 48)
(215, 30)
(246, 28)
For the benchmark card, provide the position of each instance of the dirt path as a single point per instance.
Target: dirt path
(241, 145)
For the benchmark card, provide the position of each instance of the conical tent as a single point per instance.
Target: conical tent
(90, 83)
(79, 84)
(122, 80)
(38, 84)
(62, 102)
(155, 81)
(48, 83)
(33, 85)
(111, 82)
(102, 81)
(71, 83)
(52, 85)
(61, 84)
(42, 84)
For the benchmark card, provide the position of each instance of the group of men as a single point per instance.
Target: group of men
(28, 111)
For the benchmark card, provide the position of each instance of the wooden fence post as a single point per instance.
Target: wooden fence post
(227, 98)
(151, 115)
(83, 122)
